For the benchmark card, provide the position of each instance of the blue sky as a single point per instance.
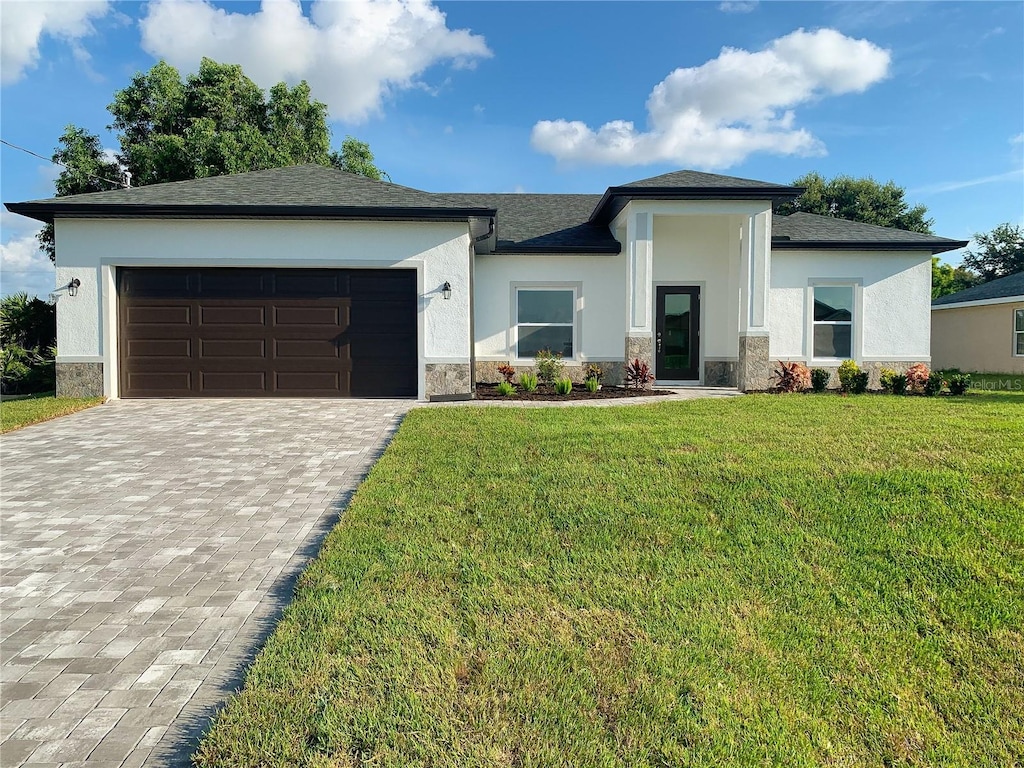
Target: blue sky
(565, 97)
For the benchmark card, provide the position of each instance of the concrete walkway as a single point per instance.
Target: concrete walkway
(147, 548)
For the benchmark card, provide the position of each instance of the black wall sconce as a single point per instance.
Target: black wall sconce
(446, 290)
(73, 286)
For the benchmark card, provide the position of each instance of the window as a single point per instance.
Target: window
(545, 319)
(1018, 332)
(833, 321)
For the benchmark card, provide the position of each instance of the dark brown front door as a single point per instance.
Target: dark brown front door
(677, 333)
(267, 332)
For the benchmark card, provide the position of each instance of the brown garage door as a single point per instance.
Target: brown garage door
(267, 332)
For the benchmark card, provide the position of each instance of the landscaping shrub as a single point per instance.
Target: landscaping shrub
(860, 383)
(592, 384)
(791, 377)
(886, 377)
(848, 371)
(899, 384)
(549, 366)
(819, 379)
(528, 381)
(563, 386)
(508, 371)
(593, 371)
(959, 383)
(638, 374)
(505, 388)
(933, 384)
(28, 333)
(917, 377)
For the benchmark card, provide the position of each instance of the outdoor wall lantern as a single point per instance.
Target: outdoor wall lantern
(446, 290)
(73, 286)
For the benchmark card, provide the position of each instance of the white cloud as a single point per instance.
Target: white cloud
(24, 22)
(1018, 139)
(23, 266)
(737, 6)
(354, 54)
(715, 115)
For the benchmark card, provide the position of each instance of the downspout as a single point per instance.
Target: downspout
(472, 303)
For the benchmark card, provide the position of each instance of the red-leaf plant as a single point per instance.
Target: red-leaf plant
(791, 377)
(508, 371)
(638, 374)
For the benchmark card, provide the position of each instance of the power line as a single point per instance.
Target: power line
(63, 165)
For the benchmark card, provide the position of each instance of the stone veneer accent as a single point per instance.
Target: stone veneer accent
(640, 347)
(79, 379)
(753, 369)
(449, 379)
(720, 373)
(613, 371)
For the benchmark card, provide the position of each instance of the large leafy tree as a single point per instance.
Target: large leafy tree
(86, 169)
(947, 279)
(999, 253)
(213, 122)
(861, 199)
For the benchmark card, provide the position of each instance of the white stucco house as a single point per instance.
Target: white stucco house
(311, 281)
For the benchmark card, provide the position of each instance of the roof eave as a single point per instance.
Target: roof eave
(565, 249)
(46, 211)
(773, 193)
(869, 245)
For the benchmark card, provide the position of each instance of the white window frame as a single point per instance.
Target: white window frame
(576, 324)
(1016, 333)
(857, 313)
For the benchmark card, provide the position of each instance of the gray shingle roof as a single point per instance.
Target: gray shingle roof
(804, 230)
(528, 222)
(1003, 288)
(304, 186)
(538, 223)
(700, 180)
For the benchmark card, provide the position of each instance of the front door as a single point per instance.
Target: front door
(677, 333)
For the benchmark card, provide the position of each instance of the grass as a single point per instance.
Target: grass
(15, 414)
(768, 580)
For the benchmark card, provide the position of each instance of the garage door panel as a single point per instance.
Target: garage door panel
(216, 314)
(264, 332)
(159, 314)
(306, 348)
(229, 348)
(312, 284)
(227, 382)
(308, 315)
(177, 347)
(306, 381)
(156, 282)
(230, 283)
(160, 384)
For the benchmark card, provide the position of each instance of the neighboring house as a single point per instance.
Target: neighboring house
(981, 328)
(311, 281)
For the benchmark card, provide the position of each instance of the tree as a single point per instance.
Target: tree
(863, 200)
(356, 157)
(947, 279)
(214, 122)
(999, 253)
(86, 169)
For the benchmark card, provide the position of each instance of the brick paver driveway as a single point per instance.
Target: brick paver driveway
(147, 548)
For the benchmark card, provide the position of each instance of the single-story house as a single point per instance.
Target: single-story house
(312, 281)
(981, 328)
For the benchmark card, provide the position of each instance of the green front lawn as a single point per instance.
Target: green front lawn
(768, 580)
(15, 414)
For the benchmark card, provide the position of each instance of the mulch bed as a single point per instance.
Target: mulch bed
(579, 392)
